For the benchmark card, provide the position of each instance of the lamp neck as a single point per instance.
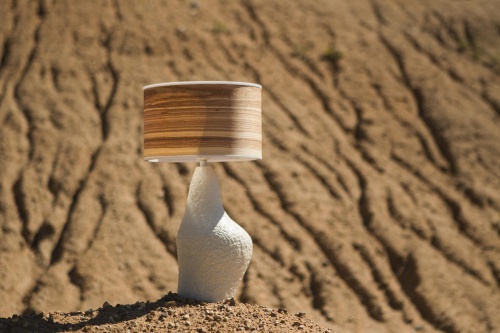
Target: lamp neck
(204, 204)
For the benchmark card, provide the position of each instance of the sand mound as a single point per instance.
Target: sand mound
(171, 313)
(376, 207)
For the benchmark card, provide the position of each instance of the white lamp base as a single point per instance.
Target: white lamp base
(213, 251)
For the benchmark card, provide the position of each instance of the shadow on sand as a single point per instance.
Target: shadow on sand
(75, 321)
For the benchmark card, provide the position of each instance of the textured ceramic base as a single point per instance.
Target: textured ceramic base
(213, 251)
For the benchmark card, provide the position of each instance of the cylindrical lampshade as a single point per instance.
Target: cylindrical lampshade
(215, 121)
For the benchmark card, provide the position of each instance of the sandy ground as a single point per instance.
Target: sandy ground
(170, 313)
(376, 207)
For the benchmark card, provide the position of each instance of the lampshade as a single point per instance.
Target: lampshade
(216, 121)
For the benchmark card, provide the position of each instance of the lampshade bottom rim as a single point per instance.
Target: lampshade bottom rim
(197, 158)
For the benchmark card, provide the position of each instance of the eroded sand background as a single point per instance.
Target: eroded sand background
(376, 207)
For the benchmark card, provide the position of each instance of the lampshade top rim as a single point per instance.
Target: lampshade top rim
(188, 83)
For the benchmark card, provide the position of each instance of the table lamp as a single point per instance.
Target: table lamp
(205, 121)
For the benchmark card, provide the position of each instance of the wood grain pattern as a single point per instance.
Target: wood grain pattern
(219, 122)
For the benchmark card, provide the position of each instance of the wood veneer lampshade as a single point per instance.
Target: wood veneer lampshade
(215, 121)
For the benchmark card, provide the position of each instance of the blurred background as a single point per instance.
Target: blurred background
(376, 207)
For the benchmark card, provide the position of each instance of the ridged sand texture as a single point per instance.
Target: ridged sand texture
(375, 208)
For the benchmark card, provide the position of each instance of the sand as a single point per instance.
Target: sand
(170, 313)
(376, 207)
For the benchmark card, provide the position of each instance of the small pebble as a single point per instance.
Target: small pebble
(170, 304)
(231, 302)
